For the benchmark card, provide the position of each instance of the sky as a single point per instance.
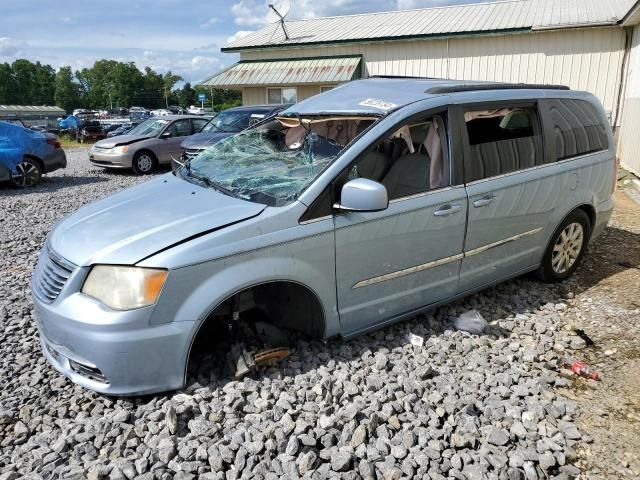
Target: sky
(184, 36)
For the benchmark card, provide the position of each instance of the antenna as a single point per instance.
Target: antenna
(280, 9)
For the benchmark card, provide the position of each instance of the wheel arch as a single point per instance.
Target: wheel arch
(209, 315)
(587, 208)
(38, 160)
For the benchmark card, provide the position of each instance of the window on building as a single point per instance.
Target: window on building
(282, 95)
(578, 128)
(502, 140)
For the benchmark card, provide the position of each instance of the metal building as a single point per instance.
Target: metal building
(585, 44)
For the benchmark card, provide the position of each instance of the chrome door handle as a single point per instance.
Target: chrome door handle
(447, 210)
(484, 201)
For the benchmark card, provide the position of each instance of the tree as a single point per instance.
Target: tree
(8, 85)
(186, 96)
(169, 80)
(67, 92)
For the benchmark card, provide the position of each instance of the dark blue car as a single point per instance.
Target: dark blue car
(227, 123)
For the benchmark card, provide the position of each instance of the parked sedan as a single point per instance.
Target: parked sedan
(25, 155)
(152, 143)
(227, 123)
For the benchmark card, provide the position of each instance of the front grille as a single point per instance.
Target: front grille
(189, 153)
(50, 276)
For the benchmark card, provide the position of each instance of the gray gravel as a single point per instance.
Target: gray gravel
(462, 406)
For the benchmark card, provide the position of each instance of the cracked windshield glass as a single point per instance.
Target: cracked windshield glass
(275, 162)
(150, 128)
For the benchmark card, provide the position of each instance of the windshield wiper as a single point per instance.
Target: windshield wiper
(208, 182)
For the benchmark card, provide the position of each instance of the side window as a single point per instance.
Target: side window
(198, 124)
(181, 128)
(413, 159)
(578, 128)
(502, 140)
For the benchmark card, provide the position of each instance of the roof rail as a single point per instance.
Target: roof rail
(493, 86)
(405, 76)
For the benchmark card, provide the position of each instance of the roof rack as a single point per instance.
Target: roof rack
(493, 86)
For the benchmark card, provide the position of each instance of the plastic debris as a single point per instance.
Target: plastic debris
(581, 369)
(416, 340)
(470, 321)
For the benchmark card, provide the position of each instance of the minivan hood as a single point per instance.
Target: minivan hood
(119, 140)
(131, 225)
(205, 139)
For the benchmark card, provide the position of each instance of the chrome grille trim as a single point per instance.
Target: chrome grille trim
(51, 275)
(189, 153)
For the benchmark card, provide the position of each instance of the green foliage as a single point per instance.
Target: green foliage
(67, 92)
(108, 83)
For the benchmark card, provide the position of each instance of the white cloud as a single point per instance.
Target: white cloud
(10, 47)
(209, 23)
(250, 13)
(238, 35)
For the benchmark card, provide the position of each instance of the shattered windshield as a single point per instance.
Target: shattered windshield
(150, 128)
(232, 121)
(275, 162)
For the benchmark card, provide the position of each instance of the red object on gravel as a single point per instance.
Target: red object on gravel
(582, 369)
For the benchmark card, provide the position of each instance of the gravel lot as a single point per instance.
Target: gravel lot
(462, 406)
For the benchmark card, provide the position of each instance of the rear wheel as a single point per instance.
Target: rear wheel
(28, 174)
(567, 247)
(144, 162)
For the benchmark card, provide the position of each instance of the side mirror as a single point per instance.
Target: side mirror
(165, 134)
(362, 195)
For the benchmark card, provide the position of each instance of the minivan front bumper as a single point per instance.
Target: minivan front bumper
(111, 352)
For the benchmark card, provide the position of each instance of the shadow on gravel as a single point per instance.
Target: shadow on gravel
(52, 184)
(616, 251)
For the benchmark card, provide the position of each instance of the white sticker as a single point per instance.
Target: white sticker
(257, 115)
(416, 340)
(376, 103)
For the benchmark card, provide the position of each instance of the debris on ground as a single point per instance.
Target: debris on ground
(470, 321)
(581, 369)
(416, 340)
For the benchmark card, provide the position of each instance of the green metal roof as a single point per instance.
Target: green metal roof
(6, 110)
(300, 71)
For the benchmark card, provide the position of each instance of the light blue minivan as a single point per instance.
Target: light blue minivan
(347, 212)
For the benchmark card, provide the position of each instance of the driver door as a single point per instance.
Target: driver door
(170, 146)
(407, 256)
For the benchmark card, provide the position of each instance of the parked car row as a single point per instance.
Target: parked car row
(171, 138)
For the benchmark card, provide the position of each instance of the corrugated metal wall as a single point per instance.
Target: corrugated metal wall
(629, 143)
(586, 59)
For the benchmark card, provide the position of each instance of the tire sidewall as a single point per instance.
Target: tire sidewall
(577, 216)
(136, 157)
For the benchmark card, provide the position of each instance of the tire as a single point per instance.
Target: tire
(566, 249)
(144, 162)
(29, 174)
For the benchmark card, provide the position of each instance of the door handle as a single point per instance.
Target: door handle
(447, 210)
(484, 201)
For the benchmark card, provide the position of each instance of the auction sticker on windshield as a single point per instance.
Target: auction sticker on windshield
(376, 103)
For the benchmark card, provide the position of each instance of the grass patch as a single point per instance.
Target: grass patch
(67, 142)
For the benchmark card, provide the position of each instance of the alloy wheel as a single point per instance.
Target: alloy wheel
(27, 175)
(567, 247)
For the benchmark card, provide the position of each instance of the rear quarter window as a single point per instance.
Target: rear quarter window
(578, 129)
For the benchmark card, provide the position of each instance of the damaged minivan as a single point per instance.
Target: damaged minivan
(347, 212)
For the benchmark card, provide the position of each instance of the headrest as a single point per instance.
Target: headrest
(419, 133)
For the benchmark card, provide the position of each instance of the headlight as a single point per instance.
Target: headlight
(124, 288)
(122, 149)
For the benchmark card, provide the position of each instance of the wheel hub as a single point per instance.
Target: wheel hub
(567, 247)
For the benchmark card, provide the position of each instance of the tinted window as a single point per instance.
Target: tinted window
(578, 128)
(198, 124)
(502, 140)
(181, 128)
